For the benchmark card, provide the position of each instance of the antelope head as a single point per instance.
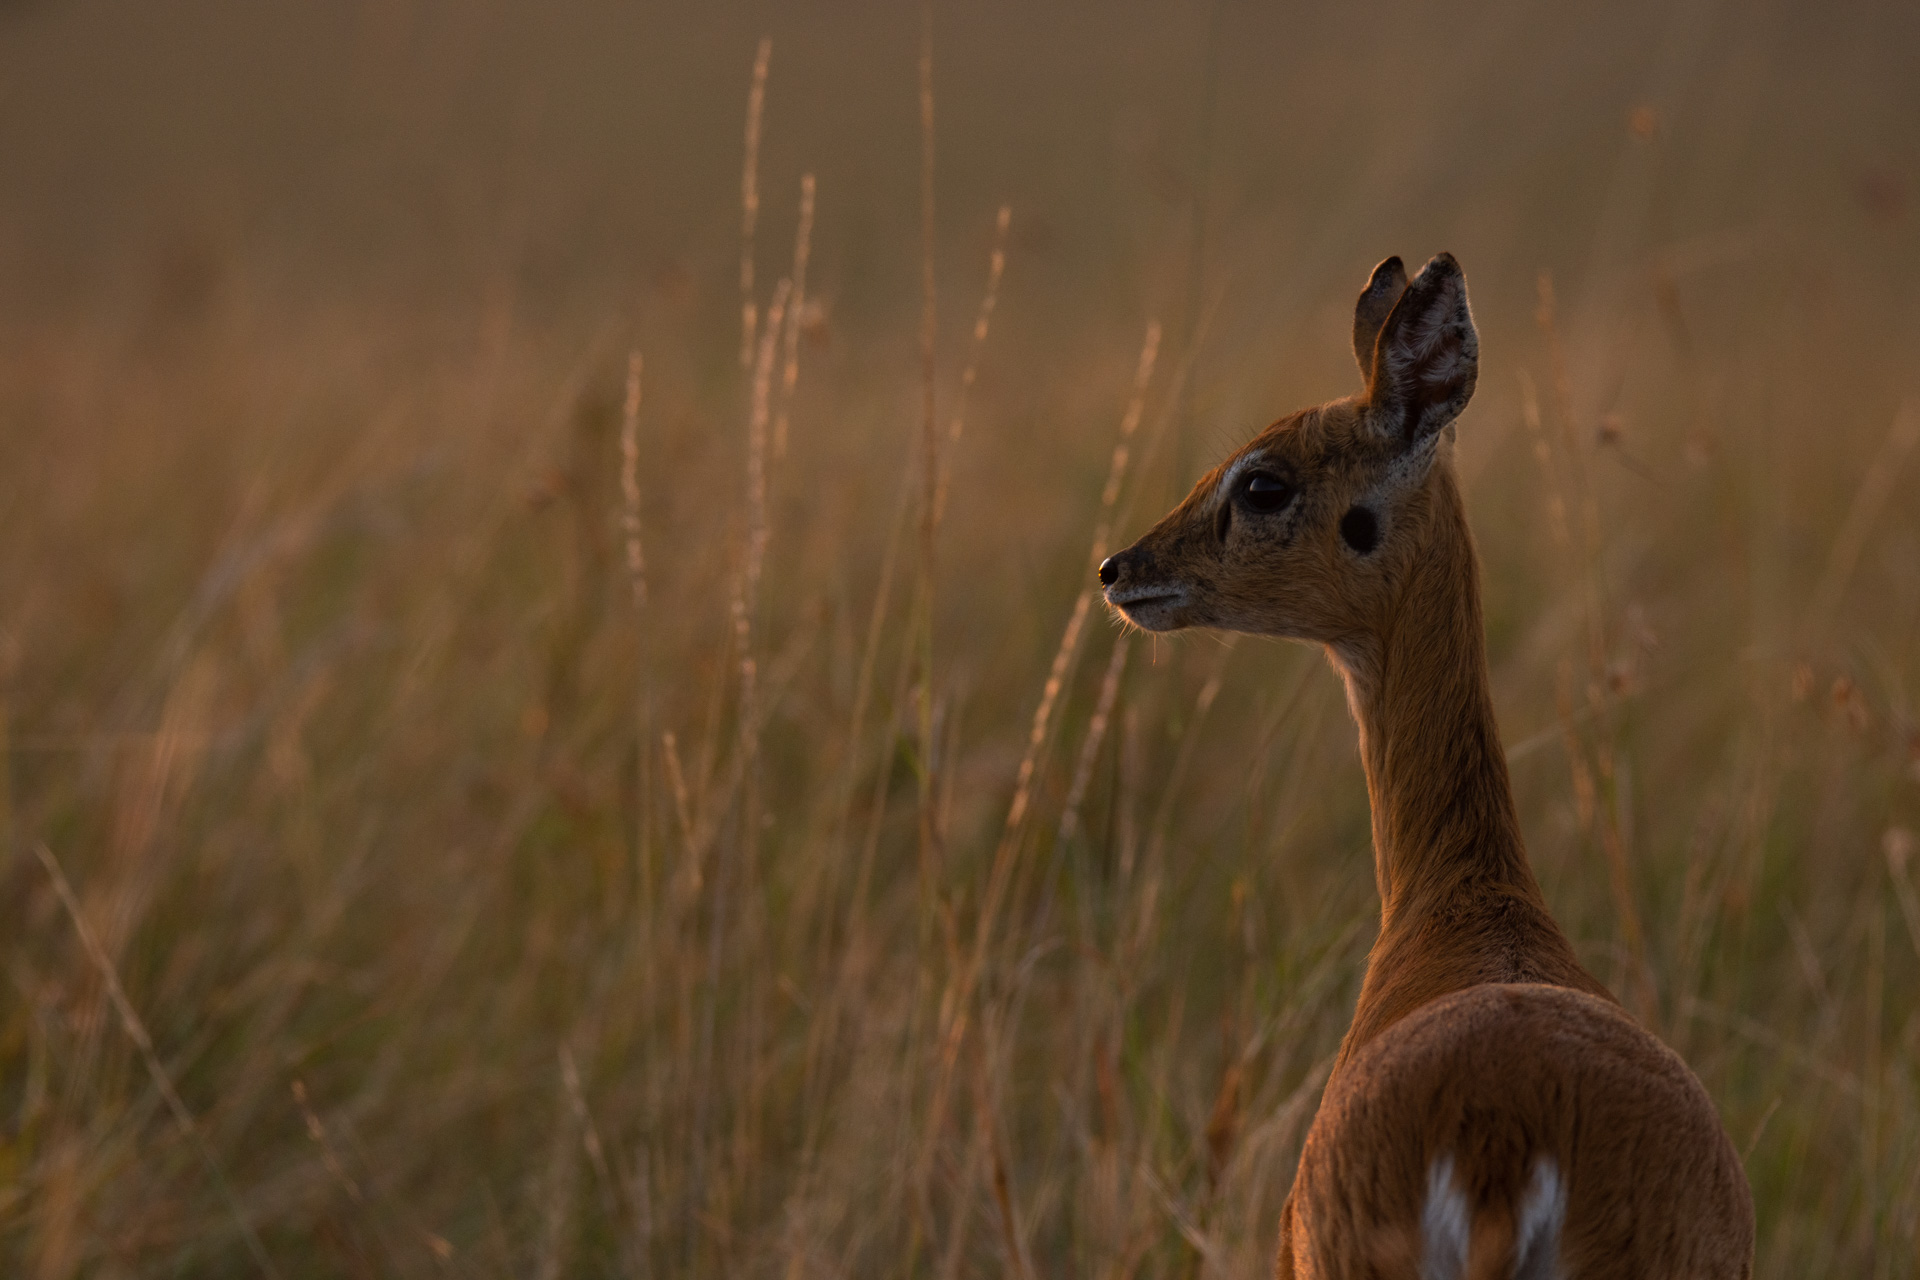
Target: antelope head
(1313, 529)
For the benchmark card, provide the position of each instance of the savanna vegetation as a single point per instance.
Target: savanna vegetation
(513, 766)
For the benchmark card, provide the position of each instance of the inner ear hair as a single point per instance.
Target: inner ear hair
(1384, 288)
(1427, 357)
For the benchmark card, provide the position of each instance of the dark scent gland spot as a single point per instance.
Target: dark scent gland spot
(1360, 529)
(1223, 521)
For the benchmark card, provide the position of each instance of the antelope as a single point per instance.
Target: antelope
(1493, 1111)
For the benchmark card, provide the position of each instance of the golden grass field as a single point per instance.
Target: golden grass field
(855, 899)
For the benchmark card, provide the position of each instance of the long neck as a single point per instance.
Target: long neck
(1459, 905)
(1443, 811)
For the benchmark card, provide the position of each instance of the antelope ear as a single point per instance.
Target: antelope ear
(1427, 356)
(1370, 312)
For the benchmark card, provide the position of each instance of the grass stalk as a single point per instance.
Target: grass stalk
(1869, 499)
(750, 199)
(1090, 744)
(136, 1031)
(644, 707)
(930, 473)
(982, 320)
(956, 1004)
(1594, 759)
(796, 314)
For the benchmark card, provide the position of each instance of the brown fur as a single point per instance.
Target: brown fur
(1478, 1036)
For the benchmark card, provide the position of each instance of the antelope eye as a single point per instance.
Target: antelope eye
(1266, 493)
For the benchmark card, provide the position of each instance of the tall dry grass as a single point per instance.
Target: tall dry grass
(500, 818)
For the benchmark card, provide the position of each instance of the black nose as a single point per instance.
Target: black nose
(1109, 572)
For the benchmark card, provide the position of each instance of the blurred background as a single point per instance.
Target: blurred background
(508, 770)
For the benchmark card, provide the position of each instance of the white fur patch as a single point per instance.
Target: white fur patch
(1445, 1224)
(1239, 468)
(1537, 1222)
